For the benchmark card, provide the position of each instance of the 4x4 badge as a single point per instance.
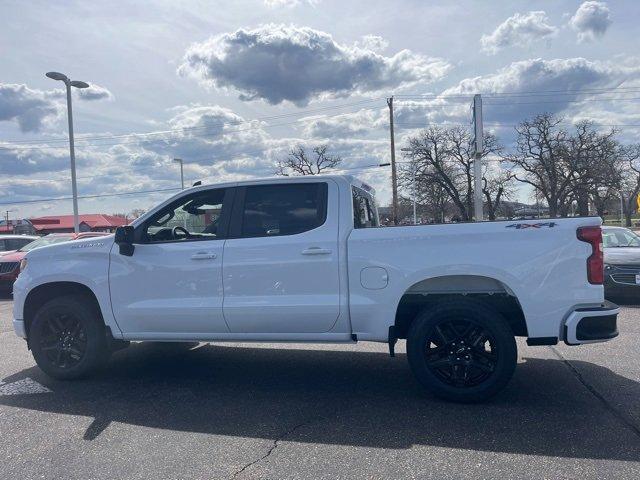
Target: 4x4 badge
(519, 226)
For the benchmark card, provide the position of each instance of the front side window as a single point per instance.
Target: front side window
(195, 217)
(286, 209)
(364, 209)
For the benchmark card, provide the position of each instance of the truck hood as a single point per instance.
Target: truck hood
(73, 247)
(622, 255)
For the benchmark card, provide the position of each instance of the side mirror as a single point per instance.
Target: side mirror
(124, 239)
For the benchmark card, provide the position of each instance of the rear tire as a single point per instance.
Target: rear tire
(68, 338)
(462, 350)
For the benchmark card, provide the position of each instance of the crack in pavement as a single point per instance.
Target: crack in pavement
(273, 447)
(607, 405)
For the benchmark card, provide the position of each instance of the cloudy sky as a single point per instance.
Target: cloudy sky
(231, 86)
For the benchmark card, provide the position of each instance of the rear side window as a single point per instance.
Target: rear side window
(364, 209)
(286, 209)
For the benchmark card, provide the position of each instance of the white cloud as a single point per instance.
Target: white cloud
(30, 108)
(519, 30)
(34, 109)
(95, 92)
(374, 43)
(289, 3)
(279, 63)
(349, 125)
(538, 75)
(591, 20)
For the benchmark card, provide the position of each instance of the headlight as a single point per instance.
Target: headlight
(607, 267)
(23, 264)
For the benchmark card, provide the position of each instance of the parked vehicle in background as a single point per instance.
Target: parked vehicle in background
(11, 243)
(621, 263)
(300, 259)
(10, 263)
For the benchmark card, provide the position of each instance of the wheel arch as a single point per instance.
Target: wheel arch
(44, 292)
(430, 291)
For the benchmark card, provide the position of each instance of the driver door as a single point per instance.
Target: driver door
(171, 287)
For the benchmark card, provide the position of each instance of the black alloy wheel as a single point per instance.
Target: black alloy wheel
(64, 340)
(68, 337)
(461, 353)
(462, 350)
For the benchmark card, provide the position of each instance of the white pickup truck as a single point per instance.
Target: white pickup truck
(302, 260)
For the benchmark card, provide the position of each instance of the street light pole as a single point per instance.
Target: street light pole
(415, 218)
(414, 184)
(72, 153)
(179, 160)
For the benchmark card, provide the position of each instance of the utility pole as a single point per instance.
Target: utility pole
(394, 179)
(477, 164)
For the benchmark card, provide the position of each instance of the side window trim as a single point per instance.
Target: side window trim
(225, 217)
(237, 214)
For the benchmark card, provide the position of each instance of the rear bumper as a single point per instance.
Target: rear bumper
(591, 324)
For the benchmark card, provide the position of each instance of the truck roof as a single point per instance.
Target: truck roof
(350, 179)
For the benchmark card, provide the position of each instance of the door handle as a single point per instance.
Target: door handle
(203, 256)
(316, 251)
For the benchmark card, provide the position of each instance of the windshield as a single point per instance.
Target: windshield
(44, 241)
(619, 238)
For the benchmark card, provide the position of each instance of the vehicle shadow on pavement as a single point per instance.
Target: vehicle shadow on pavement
(339, 397)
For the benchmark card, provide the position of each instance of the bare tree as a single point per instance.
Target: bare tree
(443, 158)
(497, 186)
(299, 162)
(539, 158)
(593, 160)
(630, 185)
(137, 212)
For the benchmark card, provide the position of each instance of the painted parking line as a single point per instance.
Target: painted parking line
(26, 386)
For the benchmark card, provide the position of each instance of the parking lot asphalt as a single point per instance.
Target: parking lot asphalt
(318, 411)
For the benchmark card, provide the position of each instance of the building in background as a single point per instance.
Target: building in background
(88, 223)
(17, 227)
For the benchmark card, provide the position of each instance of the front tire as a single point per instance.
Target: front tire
(67, 338)
(462, 350)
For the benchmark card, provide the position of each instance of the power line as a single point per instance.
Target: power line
(626, 99)
(102, 195)
(585, 91)
(136, 141)
(197, 128)
(161, 190)
(494, 95)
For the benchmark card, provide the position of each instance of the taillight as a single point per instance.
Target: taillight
(595, 262)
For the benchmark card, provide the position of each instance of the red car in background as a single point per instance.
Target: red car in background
(10, 263)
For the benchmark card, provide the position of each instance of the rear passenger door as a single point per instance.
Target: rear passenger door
(280, 268)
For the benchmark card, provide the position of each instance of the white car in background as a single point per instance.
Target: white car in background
(11, 243)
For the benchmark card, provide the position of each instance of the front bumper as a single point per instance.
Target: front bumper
(591, 324)
(18, 327)
(620, 281)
